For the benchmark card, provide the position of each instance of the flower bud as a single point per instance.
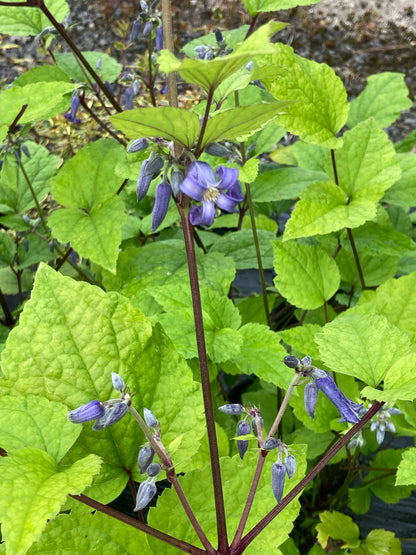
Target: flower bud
(159, 38)
(290, 464)
(26, 151)
(160, 208)
(291, 361)
(112, 414)
(381, 432)
(176, 178)
(278, 480)
(270, 443)
(128, 95)
(215, 149)
(138, 144)
(306, 361)
(99, 64)
(154, 166)
(310, 398)
(145, 457)
(135, 30)
(143, 183)
(150, 418)
(85, 413)
(232, 408)
(218, 36)
(148, 28)
(144, 6)
(118, 382)
(153, 470)
(145, 493)
(243, 429)
(254, 425)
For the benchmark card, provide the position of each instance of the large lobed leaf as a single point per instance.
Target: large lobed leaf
(30, 21)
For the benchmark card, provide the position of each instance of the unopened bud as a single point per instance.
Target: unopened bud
(290, 464)
(291, 361)
(215, 149)
(218, 35)
(159, 38)
(270, 443)
(232, 408)
(154, 166)
(112, 414)
(118, 382)
(310, 398)
(153, 470)
(278, 480)
(243, 429)
(135, 30)
(87, 412)
(138, 144)
(145, 457)
(143, 183)
(176, 179)
(150, 418)
(160, 208)
(148, 28)
(145, 493)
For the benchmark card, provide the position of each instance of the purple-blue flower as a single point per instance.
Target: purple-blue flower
(201, 185)
(75, 102)
(348, 409)
(87, 412)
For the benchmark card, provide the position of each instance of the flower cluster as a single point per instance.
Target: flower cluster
(383, 422)
(104, 413)
(243, 427)
(209, 51)
(201, 185)
(321, 380)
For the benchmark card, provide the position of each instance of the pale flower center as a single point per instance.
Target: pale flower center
(211, 194)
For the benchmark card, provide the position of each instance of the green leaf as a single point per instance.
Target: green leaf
(337, 526)
(399, 382)
(321, 106)
(363, 346)
(302, 339)
(403, 191)
(37, 251)
(248, 173)
(306, 275)
(379, 542)
(32, 491)
(237, 477)
(254, 7)
(260, 354)
(7, 249)
(210, 74)
(30, 21)
(44, 100)
(221, 320)
(239, 246)
(323, 208)
(87, 184)
(29, 421)
(39, 168)
(173, 124)
(383, 99)
(366, 164)
(83, 531)
(110, 68)
(284, 183)
(41, 74)
(385, 489)
(376, 240)
(240, 123)
(406, 471)
(375, 269)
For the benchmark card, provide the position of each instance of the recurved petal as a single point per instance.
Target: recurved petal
(202, 215)
(228, 177)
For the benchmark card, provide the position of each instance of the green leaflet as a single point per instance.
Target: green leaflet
(237, 476)
(210, 74)
(110, 68)
(386, 489)
(83, 531)
(44, 100)
(403, 191)
(40, 168)
(172, 124)
(399, 382)
(240, 123)
(33, 489)
(260, 354)
(87, 185)
(7, 250)
(29, 421)
(284, 183)
(37, 251)
(321, 107)
(384, 97)
(362, 345)
(30, 21)
(221, 321)
(337, 526)
(366, 168)
(254, 7)
(306, 275)
(239, 246)
(406, 469)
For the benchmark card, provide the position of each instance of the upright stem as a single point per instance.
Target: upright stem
(168, 44)
(205, 382)
(210, 96)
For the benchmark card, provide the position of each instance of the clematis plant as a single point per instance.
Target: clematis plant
(201, 185)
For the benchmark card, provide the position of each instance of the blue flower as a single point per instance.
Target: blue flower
(87, 412)
(75, 102)
(348, 409)
(201, 185)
